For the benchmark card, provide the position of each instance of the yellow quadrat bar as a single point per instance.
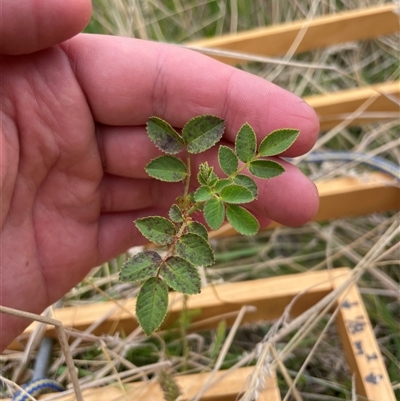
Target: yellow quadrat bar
(321, 31)
(347, 196)
(270, 297)
(360, 24)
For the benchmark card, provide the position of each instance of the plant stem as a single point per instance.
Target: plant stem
(187, 182)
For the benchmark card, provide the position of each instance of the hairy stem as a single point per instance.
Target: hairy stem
(187, 183)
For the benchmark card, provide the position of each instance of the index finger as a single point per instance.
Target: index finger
(128, 80)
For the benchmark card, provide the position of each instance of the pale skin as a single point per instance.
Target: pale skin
(73, 144)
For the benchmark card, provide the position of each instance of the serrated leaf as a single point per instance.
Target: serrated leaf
(198, 228)
(157, 229)
(202, 132)
(140, 267)
(222, 183)
(247, 182)
(167, 168)
(181, 275)
(164, 136)
(265, 168)
(175, 214)
(278, 141)
(227, 160)
(152, 304)
(236, 194)
(242, 220)
(245, 143)
(195, 249)
(214, 213)
(203, 194)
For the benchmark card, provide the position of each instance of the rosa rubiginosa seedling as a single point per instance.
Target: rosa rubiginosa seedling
(185, 240)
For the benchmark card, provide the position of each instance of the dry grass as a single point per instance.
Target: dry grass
(310, 360)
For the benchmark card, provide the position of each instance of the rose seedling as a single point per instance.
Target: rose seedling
(217, 198)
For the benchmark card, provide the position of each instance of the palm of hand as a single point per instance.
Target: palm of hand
(52, 223)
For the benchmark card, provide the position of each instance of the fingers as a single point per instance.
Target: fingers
(121, 194)
(125, 151)
(127, 80)
(28, 25)
(290, 199)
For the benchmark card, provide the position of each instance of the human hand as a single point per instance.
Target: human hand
(74, 146)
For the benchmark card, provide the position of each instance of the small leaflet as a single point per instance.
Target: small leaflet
(246, 143)
(167, 168)
(278, 141)
(152, 304)
(227, 160)
(157, 229)
(164, 136)
(202, 132)
(181, 275)
(195, 249)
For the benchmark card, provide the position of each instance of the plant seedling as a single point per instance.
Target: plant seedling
(217, 198)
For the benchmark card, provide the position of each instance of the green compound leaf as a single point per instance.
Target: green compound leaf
(140, 267)
(242, 220)
(245, 143)
(181, 275)
(203, 132)
(195, 249)
(214, 213)
(175, 214)
(164, 136)
(167, 168)
(221, 184)
(227, 160)
(278, 141)
(152, 304)
(198, 228)
(265, 168)
(157, 229)
(236, 194)
(247, 182)
(202, 194)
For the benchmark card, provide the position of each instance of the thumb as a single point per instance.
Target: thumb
(27, 26)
